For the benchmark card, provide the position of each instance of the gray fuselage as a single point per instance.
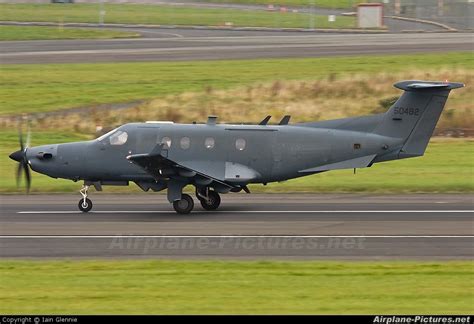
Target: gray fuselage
(270, 153)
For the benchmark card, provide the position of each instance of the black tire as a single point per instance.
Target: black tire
(185, 205)
(85, 206)
(213, 203)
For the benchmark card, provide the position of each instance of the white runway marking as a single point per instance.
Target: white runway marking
(158, 32)
(250, 212)
(223, 236)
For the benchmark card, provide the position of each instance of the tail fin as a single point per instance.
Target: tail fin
(415, 114)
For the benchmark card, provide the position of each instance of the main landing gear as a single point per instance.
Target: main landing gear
(184, 205)
(209, 199)
(85, 204)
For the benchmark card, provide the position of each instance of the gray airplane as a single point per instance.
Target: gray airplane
(220, 158)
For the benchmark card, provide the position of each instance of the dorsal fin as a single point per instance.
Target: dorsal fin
(265, 120)
(285, 120)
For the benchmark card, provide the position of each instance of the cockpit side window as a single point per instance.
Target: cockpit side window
(118, 138)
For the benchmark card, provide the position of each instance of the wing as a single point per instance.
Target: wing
(160, 167)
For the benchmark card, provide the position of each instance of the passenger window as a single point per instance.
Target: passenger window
(185, 143)
(166, 141)
(118, 138)
(240, 144)
(209, 143)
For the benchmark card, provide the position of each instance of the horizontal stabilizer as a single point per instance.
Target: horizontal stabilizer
(360, 162)
(421, 85)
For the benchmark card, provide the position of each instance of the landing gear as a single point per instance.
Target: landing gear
(184, 205)
(209, 199)
(212, 202)
(85, 204)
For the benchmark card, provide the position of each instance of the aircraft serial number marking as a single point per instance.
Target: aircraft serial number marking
(406, 111)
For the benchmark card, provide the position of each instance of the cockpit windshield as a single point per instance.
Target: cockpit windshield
(115, 137)
(102, 137)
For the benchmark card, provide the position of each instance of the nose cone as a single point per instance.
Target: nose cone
(17, 156)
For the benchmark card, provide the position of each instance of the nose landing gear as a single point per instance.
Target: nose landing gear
(85, 204)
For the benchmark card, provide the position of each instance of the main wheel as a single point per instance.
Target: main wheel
(85, 206)
(213, 202)
(185, 205)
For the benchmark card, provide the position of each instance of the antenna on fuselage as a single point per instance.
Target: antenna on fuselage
(265, 120)
(211, 120)
(285, 120)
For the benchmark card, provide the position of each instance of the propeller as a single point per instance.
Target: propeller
(20, 157)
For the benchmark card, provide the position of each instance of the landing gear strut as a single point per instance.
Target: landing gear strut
(209, 199)
(85, 204)
(184, 205)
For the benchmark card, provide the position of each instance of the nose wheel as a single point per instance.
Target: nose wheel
(85, 204)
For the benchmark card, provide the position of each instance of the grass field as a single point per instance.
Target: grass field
(304, 3)
(447, 167)
(306, 100)
(257, 287)
(165, 15)
(8, 33)
(60, 86)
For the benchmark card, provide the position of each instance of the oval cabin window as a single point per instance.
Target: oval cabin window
(167, 141)
(209, 143)
(240, 144)
(185, 143)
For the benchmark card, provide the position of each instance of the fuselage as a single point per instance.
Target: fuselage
(233, 153)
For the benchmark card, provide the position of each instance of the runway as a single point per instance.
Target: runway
(295, 226)
(182, 44)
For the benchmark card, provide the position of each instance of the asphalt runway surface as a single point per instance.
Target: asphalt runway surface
(288, 226)
(195, 44)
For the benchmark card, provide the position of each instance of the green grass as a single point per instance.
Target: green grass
(255, 287)
(60, 86)
(340, 4)
(446, 167)
(9, 33)
(164, 15)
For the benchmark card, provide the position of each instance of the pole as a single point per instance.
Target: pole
(311, 15)
(101, 12)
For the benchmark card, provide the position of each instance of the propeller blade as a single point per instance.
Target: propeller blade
(27, 177)
(20, 137)
(20, 157)
(28, 136)
(18, 175)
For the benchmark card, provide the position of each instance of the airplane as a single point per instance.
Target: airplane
(220, 158)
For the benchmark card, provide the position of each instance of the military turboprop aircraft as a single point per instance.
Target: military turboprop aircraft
(220, 158)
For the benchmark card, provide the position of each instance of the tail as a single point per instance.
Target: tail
(415, 114)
